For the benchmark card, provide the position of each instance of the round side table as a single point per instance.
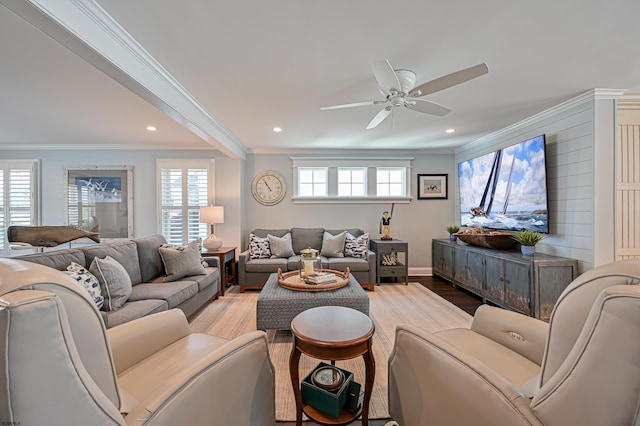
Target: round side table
(332, 333)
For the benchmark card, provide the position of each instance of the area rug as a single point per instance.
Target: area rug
(391, 304)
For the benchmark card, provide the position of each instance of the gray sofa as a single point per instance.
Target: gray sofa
(141, 259)
(253, 273)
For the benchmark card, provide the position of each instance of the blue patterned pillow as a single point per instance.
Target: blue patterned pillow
(88, 281)
(356, 246)
(259, 248)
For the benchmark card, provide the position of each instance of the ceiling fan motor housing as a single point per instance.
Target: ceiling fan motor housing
(407, 79)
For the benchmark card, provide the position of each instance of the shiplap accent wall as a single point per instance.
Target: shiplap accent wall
(580, 135)
(628, 179)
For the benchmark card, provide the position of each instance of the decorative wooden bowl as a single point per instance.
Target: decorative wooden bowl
(292, 281)
(497, 241)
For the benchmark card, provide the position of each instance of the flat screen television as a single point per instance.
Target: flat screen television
(506, 189)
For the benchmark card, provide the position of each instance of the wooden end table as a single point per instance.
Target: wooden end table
(332, 333)
(392, 258)
(228, 271)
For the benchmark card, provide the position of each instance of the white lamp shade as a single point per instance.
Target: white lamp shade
(212, 214)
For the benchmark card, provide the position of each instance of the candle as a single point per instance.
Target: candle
(308, 267)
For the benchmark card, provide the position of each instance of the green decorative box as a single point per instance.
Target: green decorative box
(330, 403)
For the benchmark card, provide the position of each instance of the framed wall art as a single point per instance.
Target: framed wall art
(433, 187)
(100, 199)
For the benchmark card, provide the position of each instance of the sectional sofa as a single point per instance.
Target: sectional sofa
(254, 269)
(144, 265)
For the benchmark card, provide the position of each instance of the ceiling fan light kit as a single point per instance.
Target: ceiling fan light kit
(399, 88)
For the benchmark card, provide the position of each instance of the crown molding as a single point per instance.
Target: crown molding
(630, 101)
(104, 147)
(591, 95)
(87, 30)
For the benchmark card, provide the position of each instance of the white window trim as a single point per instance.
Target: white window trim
(332, 163)
(182, 164)
(34, 165)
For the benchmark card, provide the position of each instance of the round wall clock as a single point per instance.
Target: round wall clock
(269, 188)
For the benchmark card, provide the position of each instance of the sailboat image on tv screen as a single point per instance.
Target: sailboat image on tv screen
(506, 189)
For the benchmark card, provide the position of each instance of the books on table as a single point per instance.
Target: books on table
(322, 278)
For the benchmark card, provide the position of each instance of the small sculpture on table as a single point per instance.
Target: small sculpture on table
(385, 224)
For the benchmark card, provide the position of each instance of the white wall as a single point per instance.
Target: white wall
(416, 222)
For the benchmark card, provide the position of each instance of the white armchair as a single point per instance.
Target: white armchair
(508, 369)
(60, 364)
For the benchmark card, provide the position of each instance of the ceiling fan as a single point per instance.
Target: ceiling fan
(399, 89)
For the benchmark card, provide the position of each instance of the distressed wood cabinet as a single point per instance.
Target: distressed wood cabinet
(526, 284)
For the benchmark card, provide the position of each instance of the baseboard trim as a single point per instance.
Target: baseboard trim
(421, 272)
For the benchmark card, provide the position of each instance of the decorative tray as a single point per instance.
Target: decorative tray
(292, 281)
(497, 241)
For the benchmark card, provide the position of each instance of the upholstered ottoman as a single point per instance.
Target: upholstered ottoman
(277, 305)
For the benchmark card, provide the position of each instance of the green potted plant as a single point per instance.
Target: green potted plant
(452, 229)
(528, 241)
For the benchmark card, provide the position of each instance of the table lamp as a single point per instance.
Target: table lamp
(212, 215)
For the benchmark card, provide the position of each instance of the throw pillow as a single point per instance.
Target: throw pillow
(115, 283)
(280, 246)
(181, 263)
(195, 245)
(259, 247)
(87, 280)
(333, 245)
(356, 246)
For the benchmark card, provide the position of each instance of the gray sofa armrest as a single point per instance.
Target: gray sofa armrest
(371, 257)
(213, 261)
(243, 258)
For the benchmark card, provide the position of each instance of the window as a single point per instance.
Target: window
(352, 181)
(312, 182)
(390, 181)
(19, 193)
(184, 185)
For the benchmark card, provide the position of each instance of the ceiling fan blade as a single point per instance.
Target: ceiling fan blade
(386, 77)
(427, 107)
(449, 80)
(355, 104)
(379, 117)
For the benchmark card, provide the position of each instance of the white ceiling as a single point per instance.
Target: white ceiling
(256, 64)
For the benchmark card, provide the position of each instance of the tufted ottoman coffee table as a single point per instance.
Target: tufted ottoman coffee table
(277, 305)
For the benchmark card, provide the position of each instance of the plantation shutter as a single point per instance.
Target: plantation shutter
(18, 195)
(184, 187)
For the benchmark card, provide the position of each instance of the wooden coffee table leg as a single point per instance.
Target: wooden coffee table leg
(294, 361)
(370, 365)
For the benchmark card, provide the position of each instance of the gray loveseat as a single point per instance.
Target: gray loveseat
(143, 263)
(253, 273)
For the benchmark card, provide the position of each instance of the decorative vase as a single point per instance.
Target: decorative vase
(453, 237)
(528, 250)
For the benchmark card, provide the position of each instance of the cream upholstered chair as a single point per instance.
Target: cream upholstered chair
(60, 365)
(583, 368)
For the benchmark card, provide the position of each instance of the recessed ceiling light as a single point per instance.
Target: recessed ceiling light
(277, 129)
(151, 128)
(450, 130)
